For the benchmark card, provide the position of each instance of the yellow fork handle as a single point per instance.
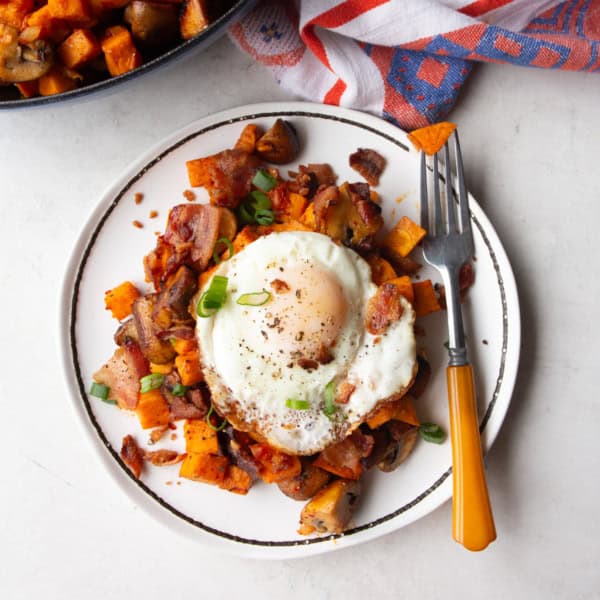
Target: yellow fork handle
(472, 519)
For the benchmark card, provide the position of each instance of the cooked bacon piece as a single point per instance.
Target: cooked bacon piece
(163, 458)
(383, 308)
(122, 374)
(132, 455)
(279, 286)
(344, 392)
(192, 405)
(275, 465)
(466, 278)
(310, 177)
(193, 230)
(227, 176)
(368, 163)
(159, 263)
(325, 197)
(368, 211)
(158, 433)
(308, 364)
(324, 357)
(344, 458)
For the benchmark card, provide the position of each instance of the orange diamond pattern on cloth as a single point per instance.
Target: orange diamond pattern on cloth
(407, 60)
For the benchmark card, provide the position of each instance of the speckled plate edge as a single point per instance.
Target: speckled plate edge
(428, 500)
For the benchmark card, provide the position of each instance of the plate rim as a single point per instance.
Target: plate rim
(437, 494)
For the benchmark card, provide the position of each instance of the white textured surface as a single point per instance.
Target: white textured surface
(531, 146)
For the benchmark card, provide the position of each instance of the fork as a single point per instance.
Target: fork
(447, 246)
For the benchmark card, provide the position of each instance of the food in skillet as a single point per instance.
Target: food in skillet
(280, 330)
(52, 47)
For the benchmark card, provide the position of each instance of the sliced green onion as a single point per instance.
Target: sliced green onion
(329, 407)
(211, 410)
(214, 298)
(431, 432)
(254, 298)
(179, 389)
(151, 382)
(99, 390)
(246, 214)
(264, 217)
(227, 243)
(261, 200)
(264, 180)
(297, 404)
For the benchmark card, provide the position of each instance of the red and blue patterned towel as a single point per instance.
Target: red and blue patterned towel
(406, 60)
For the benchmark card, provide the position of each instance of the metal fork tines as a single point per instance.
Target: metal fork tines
(449, 241)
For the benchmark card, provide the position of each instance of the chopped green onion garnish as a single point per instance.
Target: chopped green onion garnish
(210, 412)
(227, 243)
(261, 201)
(264, 217)
(264, 181)
(214, 298)
(254, 298)
(179, 389)
(151, 382)
(246, 214)
(297, 404)
(99, 390)
(431, 432)
(329, 407)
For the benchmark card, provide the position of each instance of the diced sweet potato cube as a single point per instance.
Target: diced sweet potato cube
(78, 11)
(163, 369)
(183, 346)
(207, 468)
(152, 409)
(194, 18)
(426, 300)
(119, 51)
(28, 89)
(188, 367)
(12, 12)
(405, 235)
(381, 270)
(49, 27)
(308, 217)
(248, 138)
(55, 81)
(275, 465)
(405, 286)
(120, 299)
(200, 438)
(294, 208)
(80, 47)
(236, 480)
(402, 409)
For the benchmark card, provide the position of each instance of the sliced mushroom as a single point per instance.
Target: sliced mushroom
(279, 145)
(171, 306)
(153, 25)
(155, 350)
(22, 62)
(404, 437)
(331, 508)
(307, 484)
(126, 332)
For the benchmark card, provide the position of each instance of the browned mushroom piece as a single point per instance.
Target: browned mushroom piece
(126, 331)
(404, 437)
(279, 144)
(307, 484)
(331, 508)
(22, 62)
(154, 349)
(154, 25)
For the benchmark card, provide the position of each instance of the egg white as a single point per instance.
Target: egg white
(251, 378)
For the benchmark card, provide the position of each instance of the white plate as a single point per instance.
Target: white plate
(263, 523)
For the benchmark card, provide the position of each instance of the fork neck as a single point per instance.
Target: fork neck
(457, 349)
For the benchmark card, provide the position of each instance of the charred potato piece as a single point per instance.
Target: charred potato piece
(153, 25)
(154, 349)
(331, 508)
(279, 144)
(307, 484)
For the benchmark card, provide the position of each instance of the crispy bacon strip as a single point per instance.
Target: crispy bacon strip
(344, 458)
(163, 458)
(383, 309)
(344, 391)
(369, 164)
(122, 374)
(132, 455)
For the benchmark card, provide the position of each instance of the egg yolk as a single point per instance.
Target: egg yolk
(307, 311)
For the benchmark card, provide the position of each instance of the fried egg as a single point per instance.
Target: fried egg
(268, 366)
